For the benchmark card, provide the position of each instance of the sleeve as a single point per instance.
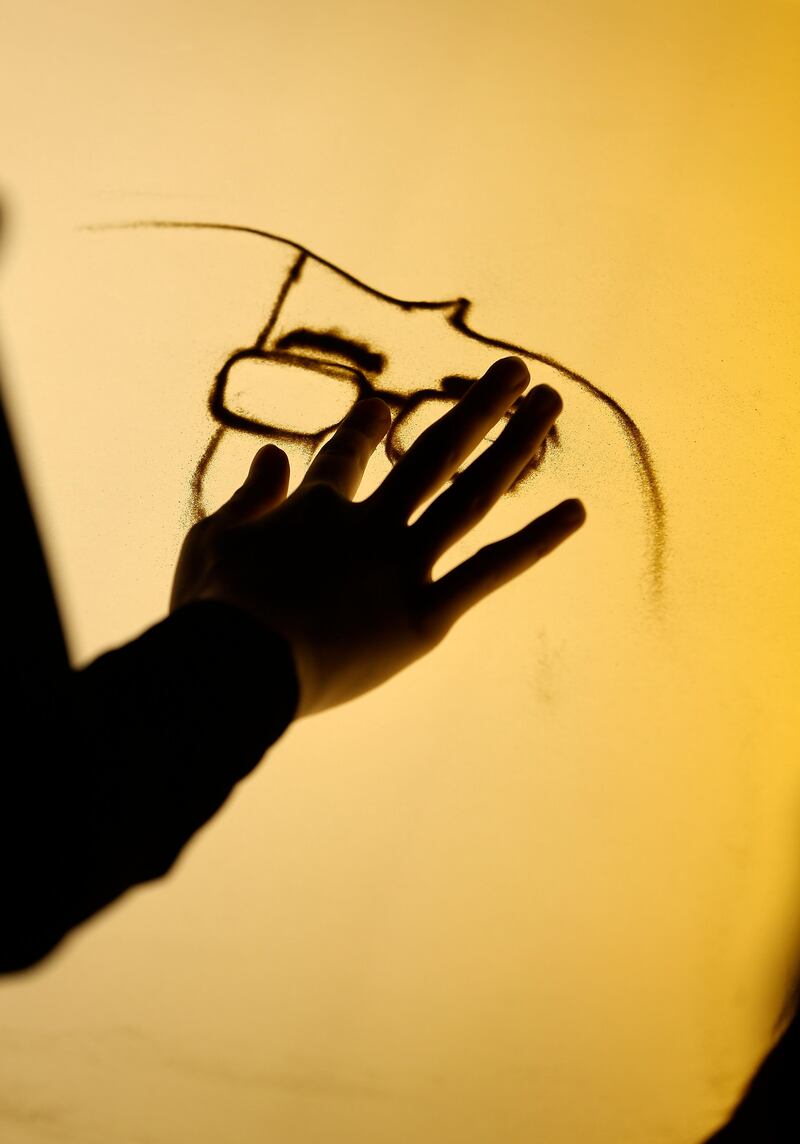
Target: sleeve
(108, 771)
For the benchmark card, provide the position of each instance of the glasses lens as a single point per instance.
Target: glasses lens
(420, 416)
(282, 394)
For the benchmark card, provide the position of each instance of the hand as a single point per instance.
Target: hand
(348, 584)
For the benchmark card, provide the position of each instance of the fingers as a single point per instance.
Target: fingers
(468, 500)
(265, 487)
(496, 564)
(342, 460)
(440, 450)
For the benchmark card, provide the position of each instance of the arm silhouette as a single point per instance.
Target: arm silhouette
(282, 606)
(107, 771)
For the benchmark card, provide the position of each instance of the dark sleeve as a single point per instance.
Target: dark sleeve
(108, 771)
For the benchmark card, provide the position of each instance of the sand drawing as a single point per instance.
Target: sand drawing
(329, 339)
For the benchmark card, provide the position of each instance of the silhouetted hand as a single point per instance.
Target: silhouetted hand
(348, 584)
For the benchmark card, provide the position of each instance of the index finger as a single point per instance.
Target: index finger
(342, 460)
(439, 451)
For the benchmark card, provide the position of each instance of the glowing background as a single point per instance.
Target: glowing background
(542, 885)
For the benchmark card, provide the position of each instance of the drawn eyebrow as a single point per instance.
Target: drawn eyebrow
(332, 342)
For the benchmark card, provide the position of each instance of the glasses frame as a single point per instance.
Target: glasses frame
(402, 405)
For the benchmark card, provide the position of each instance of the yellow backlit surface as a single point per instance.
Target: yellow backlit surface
(541, 886)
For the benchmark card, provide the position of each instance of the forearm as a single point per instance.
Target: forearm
(139, 750)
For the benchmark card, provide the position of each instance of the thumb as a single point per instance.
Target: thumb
(265, 487)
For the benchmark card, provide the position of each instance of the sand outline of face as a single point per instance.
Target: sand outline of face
(362, 371)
